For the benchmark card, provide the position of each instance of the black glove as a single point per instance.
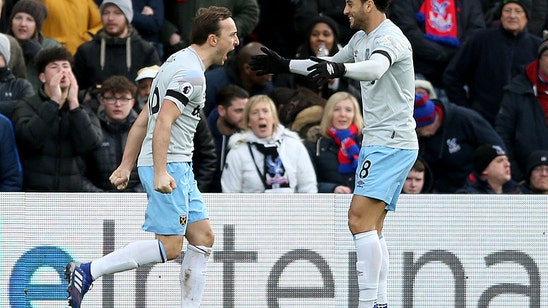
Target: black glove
(269, 63)
(325, 70)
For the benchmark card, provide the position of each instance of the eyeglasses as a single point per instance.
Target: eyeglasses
(540, 169)
(111, 100)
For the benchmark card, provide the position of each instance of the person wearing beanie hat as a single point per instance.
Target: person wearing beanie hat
(25, 25)
(124, 5)
(526, 6)
(424, 111)
(117, 49)
(477, 81)
(425, 86)
(536, 181)
(34, 9)
(492, 174)
(448, 143)
(485, 154)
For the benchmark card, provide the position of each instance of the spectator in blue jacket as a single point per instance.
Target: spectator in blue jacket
(11, 172)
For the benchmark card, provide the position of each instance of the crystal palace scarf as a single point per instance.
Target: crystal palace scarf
(540, 80)
(440, 21)
(348, 148)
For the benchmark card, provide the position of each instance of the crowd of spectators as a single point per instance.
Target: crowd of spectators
(70, 88)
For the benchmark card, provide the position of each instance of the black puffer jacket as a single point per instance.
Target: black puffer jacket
(12, 89)
(100, 163)
(120, 56)
(51, 141)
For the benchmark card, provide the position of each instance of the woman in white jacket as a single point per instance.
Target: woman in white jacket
(267, 157)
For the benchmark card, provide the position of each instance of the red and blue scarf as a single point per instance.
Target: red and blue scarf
(348, 148)
(540, 80)
(439, 19)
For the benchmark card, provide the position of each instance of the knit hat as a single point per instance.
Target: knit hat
(427, 85)
(525, 4)
(124, 5)
(147, 72)
(34, 8)
(5, 47)
(537, 158)
(425, 111)
(485, 154)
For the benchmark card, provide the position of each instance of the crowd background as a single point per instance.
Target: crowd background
(481, 106)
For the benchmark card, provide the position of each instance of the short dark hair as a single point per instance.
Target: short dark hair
(419, 166)
(382, 5)
(227, 94)
(50, 55)
(206, 22)
(118, 84)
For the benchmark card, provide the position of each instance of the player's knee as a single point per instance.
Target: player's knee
(173, 253)
(172, 247)
(206, 238)
(359, 225)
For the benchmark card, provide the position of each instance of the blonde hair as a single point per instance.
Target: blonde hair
(333, 100)
(254, 100)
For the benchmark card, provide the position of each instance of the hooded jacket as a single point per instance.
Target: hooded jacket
(105, 56)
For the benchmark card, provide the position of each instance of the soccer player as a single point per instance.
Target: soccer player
(380, 57)
(162, 138)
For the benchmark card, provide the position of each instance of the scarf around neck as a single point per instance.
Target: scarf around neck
(540, 81)
(348, 148)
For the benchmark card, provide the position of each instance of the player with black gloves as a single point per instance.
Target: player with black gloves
(380, 57)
